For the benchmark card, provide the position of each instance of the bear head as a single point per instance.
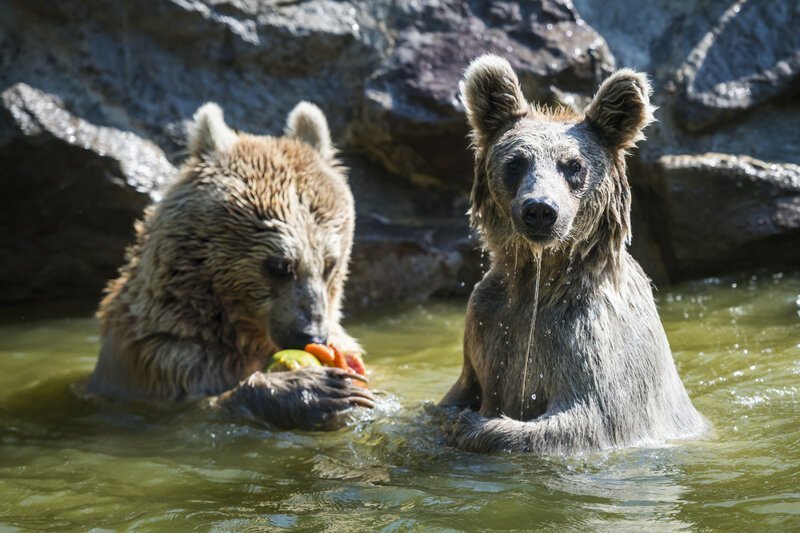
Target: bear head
(551, 179)
(259, 229)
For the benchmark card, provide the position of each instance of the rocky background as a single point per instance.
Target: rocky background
(96, 96)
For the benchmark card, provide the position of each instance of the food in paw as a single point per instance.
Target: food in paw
(286, 360)
(322, 352)
(318, 355)
(349, 361)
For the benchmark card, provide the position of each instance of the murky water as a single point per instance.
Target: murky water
(69, 464)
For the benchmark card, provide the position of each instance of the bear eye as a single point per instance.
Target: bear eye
(279, 267)
(574, 172)
(330, 264)
(514, 170)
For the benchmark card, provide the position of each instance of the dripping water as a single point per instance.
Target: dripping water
(516, 254)
(537, 257)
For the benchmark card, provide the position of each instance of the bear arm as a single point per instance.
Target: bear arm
(311, 398)
(466, 391)
(566, 431)
(171, 368)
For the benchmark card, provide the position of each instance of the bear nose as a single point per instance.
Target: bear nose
(539, 213)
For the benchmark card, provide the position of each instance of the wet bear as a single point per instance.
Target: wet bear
(246, 254)
(564, 350)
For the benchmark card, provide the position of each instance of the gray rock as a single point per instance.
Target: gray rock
(396, 264)
(411, 118)
(721, 211)
(410, 243)
(71, 192)
(384, 72)
(751, 56)
(726, 80)
(146, 66)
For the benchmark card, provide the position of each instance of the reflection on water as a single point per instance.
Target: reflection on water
(68, 462)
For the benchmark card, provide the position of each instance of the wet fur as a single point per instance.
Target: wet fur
(601, 372)
(193, 315)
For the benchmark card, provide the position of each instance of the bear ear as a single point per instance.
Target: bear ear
(307, 123)
(621, 109)
(210, 133)
(492, 96)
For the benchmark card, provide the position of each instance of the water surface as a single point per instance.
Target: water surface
(68, 463)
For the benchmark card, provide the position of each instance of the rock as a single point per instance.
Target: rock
(411, 119)
(721, 212)
(146, 66)
(410, 243)
(395, 264)
(72, 191)
(384, 72)
(716, 85)
(726, 81)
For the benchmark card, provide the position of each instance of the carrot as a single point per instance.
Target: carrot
(339, 361)
(325, 354)
(356, 364)
(351, 362)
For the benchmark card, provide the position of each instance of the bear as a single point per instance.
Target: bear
(564, 350)
(246, 254)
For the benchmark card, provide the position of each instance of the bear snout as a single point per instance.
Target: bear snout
(539, 214)
(298, 339)
(535, 219)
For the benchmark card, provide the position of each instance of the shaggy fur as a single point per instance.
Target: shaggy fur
(246, 254)
(600, 372)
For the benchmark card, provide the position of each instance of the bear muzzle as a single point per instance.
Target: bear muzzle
(535, 219)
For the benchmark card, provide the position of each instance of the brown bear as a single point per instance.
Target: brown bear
(246, 254)
(563, 349)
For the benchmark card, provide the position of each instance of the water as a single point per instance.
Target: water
(537, 254)
(69, 464)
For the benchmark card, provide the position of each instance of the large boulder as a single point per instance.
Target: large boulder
(410, 243)
(751, 56)
(71, 192)
(723, 210)
(399, 264)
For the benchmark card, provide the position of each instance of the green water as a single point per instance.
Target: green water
(65, 463)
